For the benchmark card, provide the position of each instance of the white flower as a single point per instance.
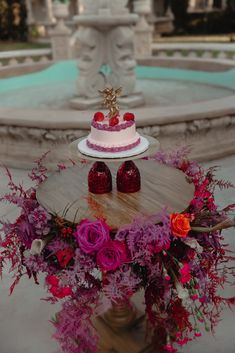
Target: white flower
(96, 273)
(37, 246)
(182, 292)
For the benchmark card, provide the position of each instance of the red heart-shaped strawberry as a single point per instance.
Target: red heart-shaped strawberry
(113, 121)
(128, 116)
(99, 116)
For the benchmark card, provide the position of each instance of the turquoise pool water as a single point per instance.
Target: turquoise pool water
(57, 84)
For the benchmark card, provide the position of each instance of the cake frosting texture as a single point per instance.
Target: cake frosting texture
(113, 135)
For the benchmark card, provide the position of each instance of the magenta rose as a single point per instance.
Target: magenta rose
(111, 255)
(92, 235)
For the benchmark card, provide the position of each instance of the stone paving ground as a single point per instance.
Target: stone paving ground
(24, 319)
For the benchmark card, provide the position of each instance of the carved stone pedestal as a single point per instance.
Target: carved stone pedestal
(60, 35)
(143, 31)
(106, 40)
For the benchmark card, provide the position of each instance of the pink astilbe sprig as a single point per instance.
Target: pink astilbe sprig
(13, 187)
(32, 222)
(39, 172)
(83, 271)
(37, 264)
(12, 252)
(63, 166)
(121, 284)
(74, 329)
(173, 157)
(147, 236)
(17, 193)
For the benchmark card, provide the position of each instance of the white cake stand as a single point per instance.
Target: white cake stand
(147, 148)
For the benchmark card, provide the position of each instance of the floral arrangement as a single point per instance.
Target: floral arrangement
(178, 259)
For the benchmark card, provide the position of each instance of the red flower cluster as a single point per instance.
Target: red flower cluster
(65, 256)
(67, 232)
(56, 290)
(185, 274)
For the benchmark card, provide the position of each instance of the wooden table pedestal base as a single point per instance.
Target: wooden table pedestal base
(123, 332)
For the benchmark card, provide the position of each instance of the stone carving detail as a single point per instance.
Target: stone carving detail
(119, 6)
(60, 47)
(143, 31)
(60, 35)
(120, 56)
(38, 135)
(214, 139)
(150, 130)
(189, 127)
(92, 7)
(105, 37)
(69, 135)
(92, 49)
(114, 49)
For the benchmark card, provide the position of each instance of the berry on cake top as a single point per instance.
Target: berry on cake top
(113, 117)
(113, 132)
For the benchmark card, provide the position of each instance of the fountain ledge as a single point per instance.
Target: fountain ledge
(104, 21)
(208, 127)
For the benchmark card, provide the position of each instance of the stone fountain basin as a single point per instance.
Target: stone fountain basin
(183, 106)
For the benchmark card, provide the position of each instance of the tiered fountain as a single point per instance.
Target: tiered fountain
(106, 38)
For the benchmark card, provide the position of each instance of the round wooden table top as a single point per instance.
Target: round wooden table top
(66, 194)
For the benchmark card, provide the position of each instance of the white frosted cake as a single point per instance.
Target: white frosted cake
(114, 134)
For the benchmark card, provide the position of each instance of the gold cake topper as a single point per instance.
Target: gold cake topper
(110, 100)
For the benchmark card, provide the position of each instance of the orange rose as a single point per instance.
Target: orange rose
(180, 225)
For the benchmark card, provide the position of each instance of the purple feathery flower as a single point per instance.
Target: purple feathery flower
(147, 236)
(32, 225)
(39, 218)
(25, 231)
(121, 284)
(36, 264)
(56, 245)
(78, 275)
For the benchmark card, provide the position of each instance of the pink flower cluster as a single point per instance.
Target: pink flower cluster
(93, 238)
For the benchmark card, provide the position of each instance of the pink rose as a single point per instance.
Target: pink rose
(111, 255)
(92, 235)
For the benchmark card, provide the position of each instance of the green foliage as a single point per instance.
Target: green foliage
(8, 46)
